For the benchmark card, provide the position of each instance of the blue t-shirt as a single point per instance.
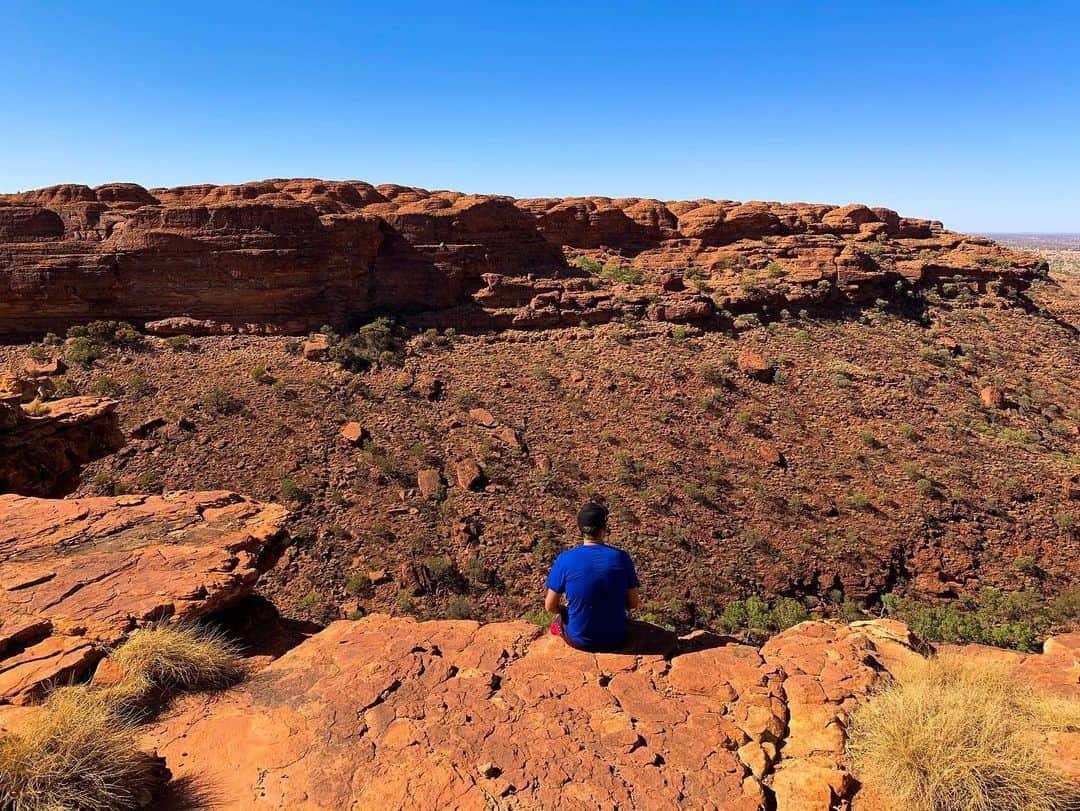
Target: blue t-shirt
(595, 579)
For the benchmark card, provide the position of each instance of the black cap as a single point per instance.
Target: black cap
(592, 518)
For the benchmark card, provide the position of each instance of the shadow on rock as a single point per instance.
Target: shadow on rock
(257, 625)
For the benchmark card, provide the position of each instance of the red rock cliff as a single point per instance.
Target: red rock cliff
(288, 255)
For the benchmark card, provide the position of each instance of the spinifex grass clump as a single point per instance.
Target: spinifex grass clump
(74, 755)
(953, 734)
(176, 657)
(80, 752)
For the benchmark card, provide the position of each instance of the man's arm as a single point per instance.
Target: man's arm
(633, 584)
(553, 602)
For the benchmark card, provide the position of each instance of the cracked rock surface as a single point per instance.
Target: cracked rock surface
(77, 575)
(391, 713)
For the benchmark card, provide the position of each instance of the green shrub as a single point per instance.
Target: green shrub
(440, 568)
(221, 400)
(292, 492)
(372, 345)
(869, 440)
(911, 470)
(460, 608)
(81, 351)
(993, 617)
(787, 613)
(179, 343)
(106, 386)
(587, 264)
(616, 271)
(138, 387)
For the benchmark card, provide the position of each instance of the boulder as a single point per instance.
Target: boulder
(316, 348)
(46, 368)
(76, 576)
(355, 434)
(429, 482)
(754, 366)
(468, 474)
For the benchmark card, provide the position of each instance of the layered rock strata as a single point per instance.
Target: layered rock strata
(290, 255)
(41, 452)
(76, 576)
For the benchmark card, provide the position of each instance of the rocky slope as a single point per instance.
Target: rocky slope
(288, 255)
(390, 713)
(77, 575)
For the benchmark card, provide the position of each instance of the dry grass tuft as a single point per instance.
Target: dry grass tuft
(81, 751)
(75, 754)
(180, 657)
(954, 734)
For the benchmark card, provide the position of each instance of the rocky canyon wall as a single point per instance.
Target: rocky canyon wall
(290, 255)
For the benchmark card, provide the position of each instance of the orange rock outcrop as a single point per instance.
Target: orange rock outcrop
(391, 713)
(76, 576)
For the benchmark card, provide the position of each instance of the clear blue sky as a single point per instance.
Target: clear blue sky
(965, 112)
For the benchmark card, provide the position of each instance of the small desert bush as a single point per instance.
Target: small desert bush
(954, 734)
(755, 614)
(81, 750)
(178, 657)
(74, 755)
(1005, 619)
(373, 344)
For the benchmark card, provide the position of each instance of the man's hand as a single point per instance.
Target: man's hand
(552, 602)
(632, 598)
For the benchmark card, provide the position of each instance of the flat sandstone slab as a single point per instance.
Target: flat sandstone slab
(77, 575)
(391, 713)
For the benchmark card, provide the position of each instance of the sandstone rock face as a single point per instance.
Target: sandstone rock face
(290, 255)
(391, 713)
(77, 575)
(41, 455)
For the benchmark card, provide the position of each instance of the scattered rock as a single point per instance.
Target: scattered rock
(355, 434)
(1071, 488)
(465, 531)
(317, 348)
(429, 482)
(992, 397)
(429, 387)
(771, 455)
(671, 282)
(488, 769)
(509, 437)
(147, 427)
(468, 474)
(483, 417)
(754, 366)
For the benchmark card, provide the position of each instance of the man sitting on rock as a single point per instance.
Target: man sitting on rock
(600, 584)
